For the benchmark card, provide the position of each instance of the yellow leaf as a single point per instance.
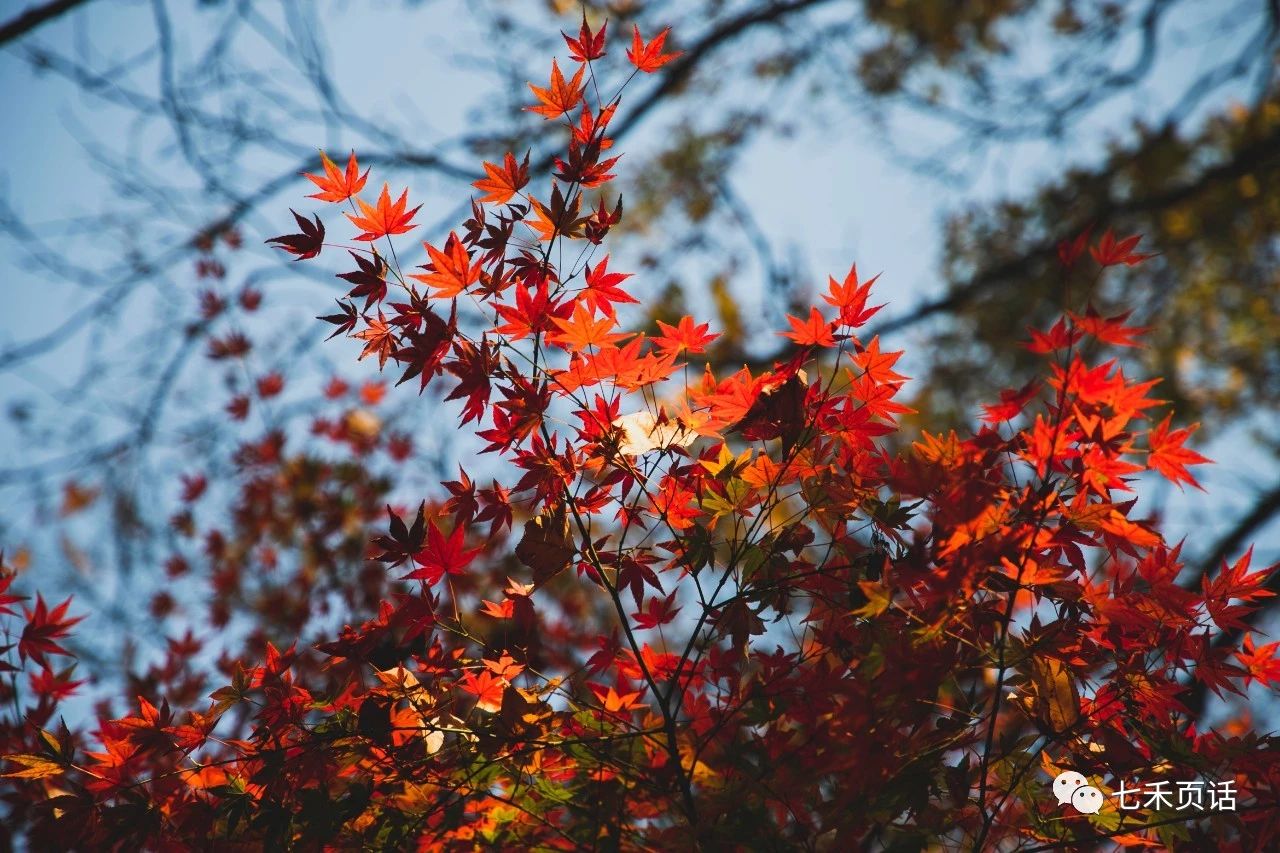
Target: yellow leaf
(878, 596)
(1057, 699)
(34, 767)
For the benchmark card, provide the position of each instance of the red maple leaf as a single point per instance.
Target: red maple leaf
(43, 629)
(1169, 457)
(649, 57)
(587, 46)
(850, 298)
(307, 243)
(602, 288)
(1111, 251)
(442, 555)
(1262, 663)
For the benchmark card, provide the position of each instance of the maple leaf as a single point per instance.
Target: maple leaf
(602, 288)
(545, 544)
(442, 555)
(878, 366)
(497, 508)
(649, 57)
(486, 687)
(43, 629)
(474, 366)
(659, 611)
(601, 220)
(55, 685)
(1235, 582)
(1111, 330)
(1012, 402)
(616, 703)
(587, 46)
(558, 218)
(850, 298)
(815, 331)
(370, 279)
(450, 271)
(428, 346)
(1069, 251)
(1058, 337)
(345, 322)
(683, 337)
(306, 244)
(1110, 251)
(1262, 663)
(386, 219)
(337, 186)
(379, 338)
(533, 312)
(32, 767)
(1169, 457)
(559, 97)
(504, 181)
(581, 330)
(6, 580)
(402, 541)
(635, 573)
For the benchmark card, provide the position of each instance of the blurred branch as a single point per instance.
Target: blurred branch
(1264, 509)
(1246, 159)
(682, 68)
(35, 16)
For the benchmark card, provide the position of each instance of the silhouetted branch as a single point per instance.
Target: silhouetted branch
(33, 17)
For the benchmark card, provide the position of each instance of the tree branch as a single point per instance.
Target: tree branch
(17, 27)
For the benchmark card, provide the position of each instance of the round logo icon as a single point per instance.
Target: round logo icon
(1066, 784)
(1087, 799)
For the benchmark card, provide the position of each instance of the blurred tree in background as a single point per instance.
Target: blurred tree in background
(1166, 114)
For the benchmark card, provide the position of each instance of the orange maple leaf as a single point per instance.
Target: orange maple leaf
(486, 687)
(450, 271)
(558, 98)
(385, 219)
(581, 330)
(683, 337)
(504, 181)
(878, 365)
(379, 339)
(649, 57)
(815, 330)
(334, 185)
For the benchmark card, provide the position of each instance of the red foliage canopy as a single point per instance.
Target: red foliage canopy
(691, 610)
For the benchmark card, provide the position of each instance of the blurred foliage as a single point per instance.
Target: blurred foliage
(1212, 294)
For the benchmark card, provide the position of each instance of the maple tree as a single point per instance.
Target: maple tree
(694, 609)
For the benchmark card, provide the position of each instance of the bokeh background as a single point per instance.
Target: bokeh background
(150, 146)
